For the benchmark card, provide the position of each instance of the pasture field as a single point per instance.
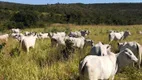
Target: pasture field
(46, 63)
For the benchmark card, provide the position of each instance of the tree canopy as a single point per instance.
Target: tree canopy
(23, 15)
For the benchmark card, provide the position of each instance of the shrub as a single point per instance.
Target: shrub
(67, 30)
(24, 18)
(15, 52)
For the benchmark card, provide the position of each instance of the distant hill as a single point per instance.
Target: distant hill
(111, 14)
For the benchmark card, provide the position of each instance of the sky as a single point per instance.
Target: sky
(71, 1)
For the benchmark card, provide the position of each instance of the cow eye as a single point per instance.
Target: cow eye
(128, 56)
(107, 47)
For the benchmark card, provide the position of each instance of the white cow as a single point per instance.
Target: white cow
(78, 42)
(75, 34)
(30, 33)
(140, 32)
(17, 36)
(27, 33)
(135, 47)
(104, 67)
(89, 42)
(20, 37)
(62, 34)
(57, 40)
(43, 35)
(84, 32)
(4, 37)
(28, 41)
(15, 30)
(100, 49)
(14, 35)
(79, 33)
(118, 35)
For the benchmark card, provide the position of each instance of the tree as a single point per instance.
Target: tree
(25, 18)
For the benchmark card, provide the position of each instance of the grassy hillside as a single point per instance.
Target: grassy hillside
(46, 63)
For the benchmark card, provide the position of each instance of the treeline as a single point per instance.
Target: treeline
(23, 15)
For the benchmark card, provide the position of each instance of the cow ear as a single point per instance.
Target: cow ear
(120, 44)
(50, 34)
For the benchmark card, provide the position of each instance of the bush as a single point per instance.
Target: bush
(67, 30)
(54, 29)
(10, 24)
(1, 46)
(15, 52)
(41, 24)
(24, 19)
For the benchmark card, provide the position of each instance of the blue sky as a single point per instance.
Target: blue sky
(71, 1)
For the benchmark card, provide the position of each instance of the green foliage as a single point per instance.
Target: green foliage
(2, 29)
(114, 46)
(54, 29)
(67, 30)
(23, 16)
(69, 49)
(23, 19)
(13, 24)
(1, 46)
(15, 52)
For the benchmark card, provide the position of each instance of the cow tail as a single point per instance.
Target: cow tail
(82, 66)
(109, 36)
(110, 40)
(20, 46)
(139, 54)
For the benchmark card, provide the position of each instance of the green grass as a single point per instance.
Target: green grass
(46, 63)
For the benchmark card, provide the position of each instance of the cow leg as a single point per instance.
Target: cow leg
(27, 48)
(134, 64)
(92, 75)
(139, 61)
(112, 78)
(139, 64)
(33, 46)
(56, 45)
(110, 40)
(6, 39)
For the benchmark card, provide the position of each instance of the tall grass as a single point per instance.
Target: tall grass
(46, 63)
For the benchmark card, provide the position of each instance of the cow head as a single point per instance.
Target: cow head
(89, 42)
(121, 45)
(130, 55)
(50, 34)
(87, 32)
(104, 48)
(126, 33)
(125, 57)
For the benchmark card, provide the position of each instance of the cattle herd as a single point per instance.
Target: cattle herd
(100, 63)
